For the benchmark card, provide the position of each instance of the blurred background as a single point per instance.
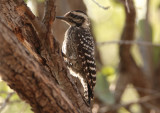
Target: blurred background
(127, 35)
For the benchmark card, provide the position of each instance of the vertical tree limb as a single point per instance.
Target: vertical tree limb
(128, 67)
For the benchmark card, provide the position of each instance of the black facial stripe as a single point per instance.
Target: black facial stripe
(76, 16)
(76, 23)
(70, 20)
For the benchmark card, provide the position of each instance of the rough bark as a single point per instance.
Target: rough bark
(26, 76)
(33, 65)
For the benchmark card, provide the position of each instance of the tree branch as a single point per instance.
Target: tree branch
(28, 78)
(126, 42)
(49, 14)
(126, 60)
(128, 67)
(4, 104)
(99, 5)
(142, 100)
(49, 75)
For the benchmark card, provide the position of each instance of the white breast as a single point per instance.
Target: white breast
(64, 46)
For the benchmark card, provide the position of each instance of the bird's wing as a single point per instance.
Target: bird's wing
(86, 54)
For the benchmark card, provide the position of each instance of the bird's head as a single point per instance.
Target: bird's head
(75, 18)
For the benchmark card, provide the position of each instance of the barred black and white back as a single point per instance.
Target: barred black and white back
(86, 53)
(78, 49)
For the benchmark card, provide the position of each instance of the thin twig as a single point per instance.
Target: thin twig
(4, 104)
(127, 42)
(15, 101)
(103, 7)
(145, 90)
(3, 92)
(140, 101)
(12, 102)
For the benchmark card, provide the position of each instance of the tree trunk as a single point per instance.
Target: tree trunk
(31, 61)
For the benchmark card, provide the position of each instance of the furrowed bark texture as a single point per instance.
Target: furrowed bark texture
(31, 61)
(26, 76)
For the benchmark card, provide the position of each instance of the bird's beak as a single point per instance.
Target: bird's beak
(62, 18)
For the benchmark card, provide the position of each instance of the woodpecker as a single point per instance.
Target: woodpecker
(78, 50)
